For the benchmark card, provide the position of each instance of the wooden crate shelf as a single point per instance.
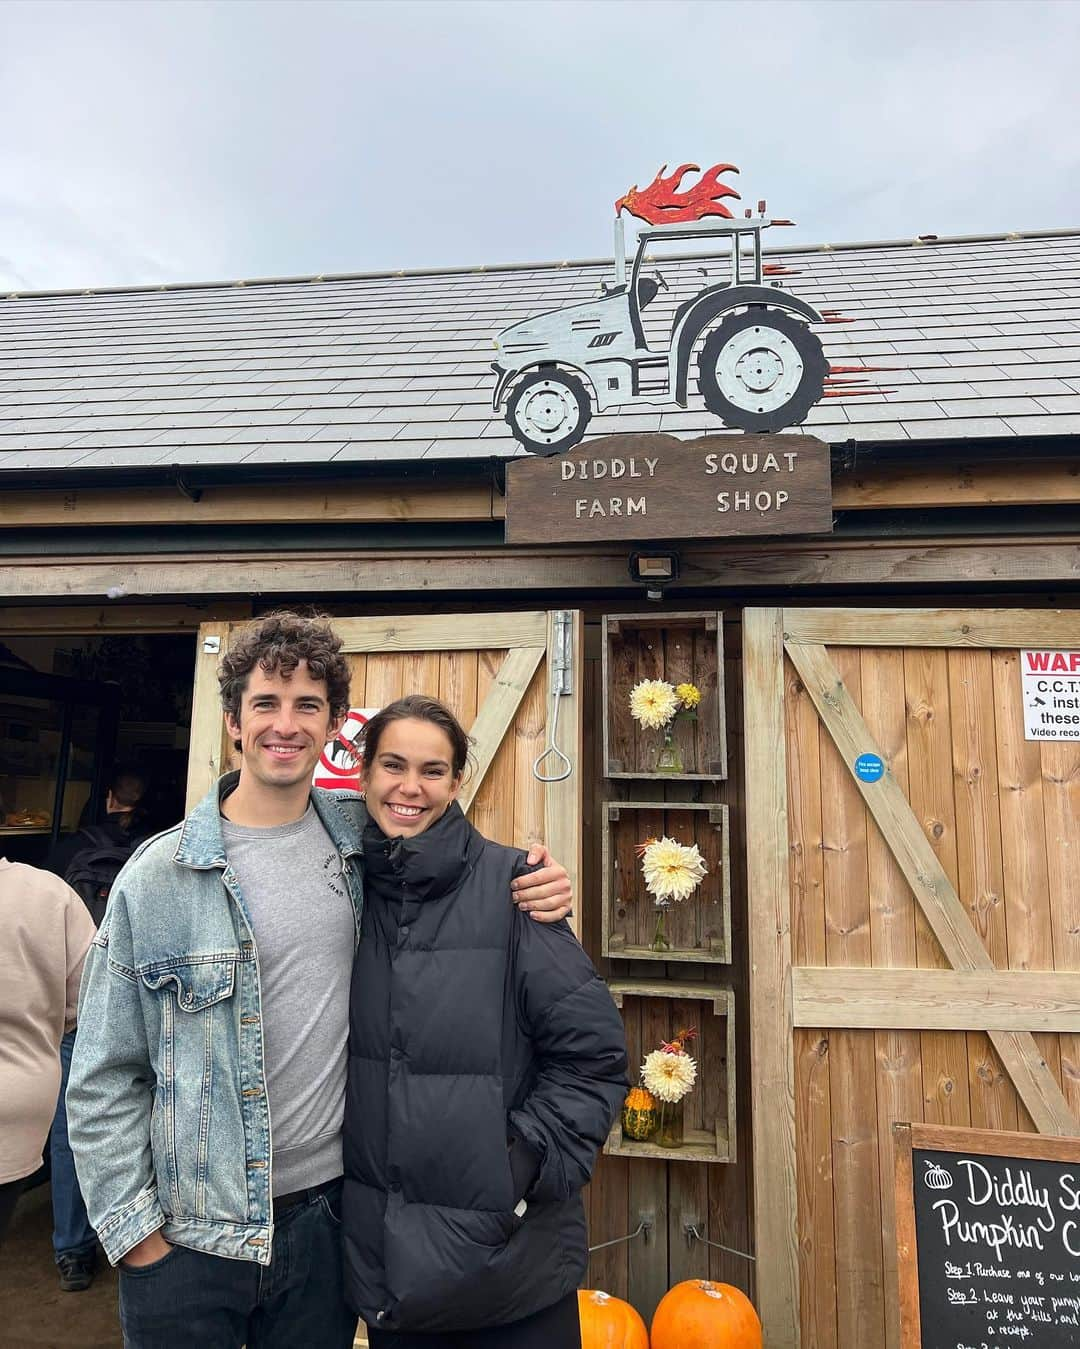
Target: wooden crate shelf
(698, 928)
(681, 648)
(653, 1012)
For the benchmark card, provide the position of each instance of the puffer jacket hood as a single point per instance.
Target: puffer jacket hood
(487, 1062)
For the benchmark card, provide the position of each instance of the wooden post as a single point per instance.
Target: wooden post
(204, 750)
(771, 1042)
(907, 1285)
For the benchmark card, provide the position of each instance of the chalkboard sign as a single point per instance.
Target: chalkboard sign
(988, 1238)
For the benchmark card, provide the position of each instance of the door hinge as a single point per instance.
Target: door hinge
(562, 655)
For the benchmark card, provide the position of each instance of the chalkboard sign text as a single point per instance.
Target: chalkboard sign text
(988, 1238)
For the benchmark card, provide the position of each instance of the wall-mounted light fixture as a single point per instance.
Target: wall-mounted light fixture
(654, 571)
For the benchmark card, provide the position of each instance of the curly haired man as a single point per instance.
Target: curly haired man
(207, 1084)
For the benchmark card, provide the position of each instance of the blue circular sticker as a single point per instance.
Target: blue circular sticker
(869, 768)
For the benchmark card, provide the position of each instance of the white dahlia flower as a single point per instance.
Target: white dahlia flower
(653, 703)
(668, 1076)
(672, 870)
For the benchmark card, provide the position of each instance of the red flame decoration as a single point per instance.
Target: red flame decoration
(661, 203)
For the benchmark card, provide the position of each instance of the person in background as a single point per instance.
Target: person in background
(208, 1080)
(89, 861)
(45, 932)
(123, 824)
(487, 1062)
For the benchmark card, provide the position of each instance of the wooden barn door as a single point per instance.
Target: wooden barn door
(914, 934)
(494, 671)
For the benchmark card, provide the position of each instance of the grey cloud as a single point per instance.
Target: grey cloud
(142, 142)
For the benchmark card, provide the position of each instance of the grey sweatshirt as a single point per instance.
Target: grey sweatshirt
(290, 878)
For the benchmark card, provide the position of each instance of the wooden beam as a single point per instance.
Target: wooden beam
(720, 995)
(953, 628)
(1015, 482)
(496, 716)
(992, 1142)
(870, 487)
(434, 633)
(933, 891)
(772, 1050)
(42, 620)
(859, 566)
(835, 998)
(236, 504)
(207, 731)
(907, 1276)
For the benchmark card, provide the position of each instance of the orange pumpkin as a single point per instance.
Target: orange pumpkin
(608, 1323)
(698, 1314)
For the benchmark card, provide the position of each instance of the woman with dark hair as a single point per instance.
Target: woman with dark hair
(486, 1065)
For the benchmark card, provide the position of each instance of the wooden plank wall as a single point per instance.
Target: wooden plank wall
(714, 1197)
(509, 806)
(1002, 815)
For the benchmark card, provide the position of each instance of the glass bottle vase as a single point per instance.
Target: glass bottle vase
(660, 939)
(669, 1132)
(669, 756)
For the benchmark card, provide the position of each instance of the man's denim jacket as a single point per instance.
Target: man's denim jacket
(167, 1108)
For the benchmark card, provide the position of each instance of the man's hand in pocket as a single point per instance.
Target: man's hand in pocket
(151, 1248)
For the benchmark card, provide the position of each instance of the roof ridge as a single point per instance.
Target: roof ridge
(921, 241)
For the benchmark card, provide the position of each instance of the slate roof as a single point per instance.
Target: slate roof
(983, 332)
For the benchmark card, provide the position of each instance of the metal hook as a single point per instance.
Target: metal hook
(692, 1234)
(561, 687)
(643, 1230)
(553, 748)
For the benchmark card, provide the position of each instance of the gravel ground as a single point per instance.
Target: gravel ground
(34, 1313)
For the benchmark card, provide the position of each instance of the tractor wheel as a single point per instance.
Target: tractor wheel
(761, 370)
(548, 411)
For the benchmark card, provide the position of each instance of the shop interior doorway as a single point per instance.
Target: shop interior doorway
(76, 711)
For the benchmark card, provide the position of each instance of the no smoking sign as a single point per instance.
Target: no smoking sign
(338, 768)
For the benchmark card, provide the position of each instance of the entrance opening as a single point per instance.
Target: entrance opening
(78, 712)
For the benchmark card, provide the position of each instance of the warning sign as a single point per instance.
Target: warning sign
(1050, 681)
(338, 768)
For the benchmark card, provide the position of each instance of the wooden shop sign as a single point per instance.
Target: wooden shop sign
(642, 487)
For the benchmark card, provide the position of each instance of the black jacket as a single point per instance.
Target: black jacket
(487, 1062)
(70, 845)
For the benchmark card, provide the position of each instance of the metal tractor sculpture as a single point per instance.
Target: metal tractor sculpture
(759, 367)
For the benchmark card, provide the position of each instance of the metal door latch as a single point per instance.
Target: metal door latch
(562, 685)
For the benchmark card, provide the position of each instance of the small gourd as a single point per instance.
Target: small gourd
(640, 1115)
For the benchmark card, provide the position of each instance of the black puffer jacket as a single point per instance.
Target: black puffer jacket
(486, 1065)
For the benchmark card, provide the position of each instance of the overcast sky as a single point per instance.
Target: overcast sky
(206, 139)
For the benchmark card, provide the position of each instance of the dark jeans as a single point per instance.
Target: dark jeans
(72, 1233)
(9, 1197)
(555, 1327)
(189, 1298)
